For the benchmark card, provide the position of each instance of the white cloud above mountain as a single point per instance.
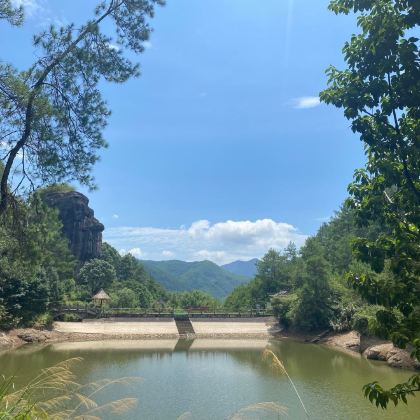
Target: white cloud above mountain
(220, 242)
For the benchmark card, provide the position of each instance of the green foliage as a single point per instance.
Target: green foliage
(378, 92)
(62, 110)
(97, 274)
(179, 276)
(10, 13)
(313, 308)
(193, 299)
(275, 272)
(284, 307)
(43, 321)
(381, 397)
(36, 266)
(62, 187)
(240, 298)
(133, 278)
(124, 298)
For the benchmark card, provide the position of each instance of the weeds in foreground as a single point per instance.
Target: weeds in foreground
(276, 363)
(55, 394)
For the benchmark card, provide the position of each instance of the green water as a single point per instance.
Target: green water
(213, 379)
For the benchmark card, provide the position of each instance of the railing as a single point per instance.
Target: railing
(89, 311)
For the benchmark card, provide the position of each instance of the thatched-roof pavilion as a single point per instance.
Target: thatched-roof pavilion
(101, 297)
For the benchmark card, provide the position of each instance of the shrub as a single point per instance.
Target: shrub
(43, 321)
(365, 322)
(282, 305)
(71, 318)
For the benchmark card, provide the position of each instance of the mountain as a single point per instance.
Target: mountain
(179, 276)
(243, 268)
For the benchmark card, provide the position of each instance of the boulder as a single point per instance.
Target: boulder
(31, 337)
(395, 357)
(81, 228)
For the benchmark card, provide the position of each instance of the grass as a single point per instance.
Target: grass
(55, 394)
(276, 363)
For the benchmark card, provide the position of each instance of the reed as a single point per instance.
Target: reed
(55, 394)
(277, 364)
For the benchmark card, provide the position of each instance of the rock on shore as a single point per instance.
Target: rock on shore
(374, 349)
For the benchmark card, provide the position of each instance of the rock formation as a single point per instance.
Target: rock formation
(82, 229)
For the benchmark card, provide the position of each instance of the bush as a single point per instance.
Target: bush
(71, 318)
(124, 298)
(365, 322)
(43, 321)
(282, 305)
(7, 321)
(344, 316)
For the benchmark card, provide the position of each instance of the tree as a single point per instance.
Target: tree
(12, 14)
(313, 309)
(379, 94)
(273, 273)
(132, 275)
(97, 274)
(124, 298)
(240, 298)
(194, 299)
(52, 115)
(36, 265)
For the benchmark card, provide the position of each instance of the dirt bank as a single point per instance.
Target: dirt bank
(370, 347)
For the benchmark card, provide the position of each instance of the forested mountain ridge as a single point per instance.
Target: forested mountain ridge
(206, 276)
(243, 268)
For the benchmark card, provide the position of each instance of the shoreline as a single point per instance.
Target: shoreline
(350, 342)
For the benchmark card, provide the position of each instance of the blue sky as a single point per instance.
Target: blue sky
(221, 149)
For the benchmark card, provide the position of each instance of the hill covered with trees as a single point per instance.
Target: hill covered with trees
(243, 268)
(179, 276)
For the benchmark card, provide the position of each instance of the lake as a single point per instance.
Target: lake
(213, 379)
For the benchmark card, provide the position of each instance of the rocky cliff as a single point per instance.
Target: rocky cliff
(82, 229)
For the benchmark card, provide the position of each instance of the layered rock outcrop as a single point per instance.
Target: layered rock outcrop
(82, 229)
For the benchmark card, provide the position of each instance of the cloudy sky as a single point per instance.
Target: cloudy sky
(220, 242)
(221, 149)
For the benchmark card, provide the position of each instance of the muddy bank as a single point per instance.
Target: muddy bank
(369, 347)
(18, 337)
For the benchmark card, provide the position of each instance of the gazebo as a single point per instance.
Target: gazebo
(101, 297)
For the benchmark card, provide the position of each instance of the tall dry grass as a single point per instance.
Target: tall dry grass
(55, 394)
(277, 364)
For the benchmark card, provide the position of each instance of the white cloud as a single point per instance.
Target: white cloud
(30, 6)
(168, 254)
(115, 216)
(40, 12)
(135, 252)
(305, 102)
(219, 242)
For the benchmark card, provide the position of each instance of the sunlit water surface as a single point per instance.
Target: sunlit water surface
(214, 379)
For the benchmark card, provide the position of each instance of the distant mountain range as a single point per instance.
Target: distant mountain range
(243, 268)
(179, 276)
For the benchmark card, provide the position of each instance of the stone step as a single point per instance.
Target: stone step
(184, 327)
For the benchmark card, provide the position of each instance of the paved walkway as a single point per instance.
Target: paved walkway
(167, 327)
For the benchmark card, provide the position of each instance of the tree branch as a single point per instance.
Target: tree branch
(4, 192)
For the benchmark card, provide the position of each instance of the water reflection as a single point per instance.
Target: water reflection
(214, 378)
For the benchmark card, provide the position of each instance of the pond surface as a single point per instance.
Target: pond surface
(214, 379)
